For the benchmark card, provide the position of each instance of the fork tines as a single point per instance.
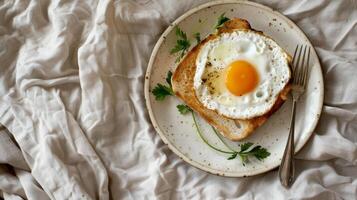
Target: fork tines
(300, 64)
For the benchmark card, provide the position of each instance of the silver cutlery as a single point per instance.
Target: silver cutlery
(300, 73)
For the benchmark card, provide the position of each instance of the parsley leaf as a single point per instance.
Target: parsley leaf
(168, 78)
(183, 109)
(180, 33)
(233, 156)
(182, 44)
(245, 146)
(161, 91)
(197, 37)
(258, 152)
(221, 20)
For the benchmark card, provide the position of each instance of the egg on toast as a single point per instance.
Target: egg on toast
(235, 79)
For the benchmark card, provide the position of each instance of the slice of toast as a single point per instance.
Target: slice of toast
(182, 84)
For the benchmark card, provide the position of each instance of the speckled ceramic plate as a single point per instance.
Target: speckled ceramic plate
(178, 131)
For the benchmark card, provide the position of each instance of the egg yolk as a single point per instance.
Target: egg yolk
(241, 77)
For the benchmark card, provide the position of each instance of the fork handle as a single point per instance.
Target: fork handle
(287, 168)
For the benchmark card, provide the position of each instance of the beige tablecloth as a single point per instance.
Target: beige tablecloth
(71, 98)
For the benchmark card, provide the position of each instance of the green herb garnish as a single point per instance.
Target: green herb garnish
(161, 91)
(183, 109)
(197, 37)
(258, 152)
(245, 149)
(182, 44)
(233, 156)
(168, 78)
(221, 20)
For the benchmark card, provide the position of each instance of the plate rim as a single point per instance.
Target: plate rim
(148, 77)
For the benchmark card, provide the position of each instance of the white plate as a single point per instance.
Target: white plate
(178, 131)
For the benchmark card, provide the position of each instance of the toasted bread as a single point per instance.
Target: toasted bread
(182, 84)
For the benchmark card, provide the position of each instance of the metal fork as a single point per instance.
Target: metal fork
(300, 74)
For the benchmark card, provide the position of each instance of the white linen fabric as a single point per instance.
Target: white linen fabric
(72, 100)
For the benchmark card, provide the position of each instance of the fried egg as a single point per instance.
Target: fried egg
(240, 74)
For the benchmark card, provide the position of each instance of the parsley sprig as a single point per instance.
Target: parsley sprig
(182, 44)
(221, 20)
(161, 91)
(183, 109)
(246, 149)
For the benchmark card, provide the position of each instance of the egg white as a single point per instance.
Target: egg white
(269, 60)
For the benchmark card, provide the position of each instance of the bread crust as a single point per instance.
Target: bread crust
(183, 79)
